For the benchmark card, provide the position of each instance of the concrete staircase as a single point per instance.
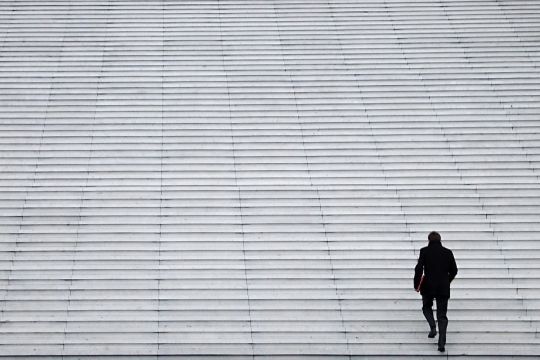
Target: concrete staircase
(254, 178)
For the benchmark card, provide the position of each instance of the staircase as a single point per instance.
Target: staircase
(253, 179)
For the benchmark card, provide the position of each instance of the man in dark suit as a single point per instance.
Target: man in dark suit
(439, 268)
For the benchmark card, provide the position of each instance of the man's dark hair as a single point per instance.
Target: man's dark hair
(434, 236)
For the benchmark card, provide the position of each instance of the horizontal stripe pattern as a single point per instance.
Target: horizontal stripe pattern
(254, 179)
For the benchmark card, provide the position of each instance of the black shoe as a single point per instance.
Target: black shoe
(432, 333)
(441, 348)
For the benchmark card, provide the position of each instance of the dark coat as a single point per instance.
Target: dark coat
(439, 267)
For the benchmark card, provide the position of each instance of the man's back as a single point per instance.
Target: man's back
(439, 268)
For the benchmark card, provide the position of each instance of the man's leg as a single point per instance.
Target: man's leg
(427, 309)
(442, 306)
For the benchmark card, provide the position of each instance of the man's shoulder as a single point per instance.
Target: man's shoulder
(448, 252)
(447, 249)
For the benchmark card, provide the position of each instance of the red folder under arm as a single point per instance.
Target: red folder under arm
(420, 284)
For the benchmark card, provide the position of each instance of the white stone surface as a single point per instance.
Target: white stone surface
(252, 179)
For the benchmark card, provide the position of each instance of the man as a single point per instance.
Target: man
(438, 266)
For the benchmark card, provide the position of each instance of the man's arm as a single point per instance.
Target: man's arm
(453, 267)
(419, 270)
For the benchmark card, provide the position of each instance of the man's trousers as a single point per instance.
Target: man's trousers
(442, 306)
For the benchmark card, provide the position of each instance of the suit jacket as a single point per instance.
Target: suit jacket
(439, 267)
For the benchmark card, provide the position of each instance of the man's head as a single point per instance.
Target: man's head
(434, 237)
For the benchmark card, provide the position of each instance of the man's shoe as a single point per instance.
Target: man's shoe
(432, 333)
(441, 348)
